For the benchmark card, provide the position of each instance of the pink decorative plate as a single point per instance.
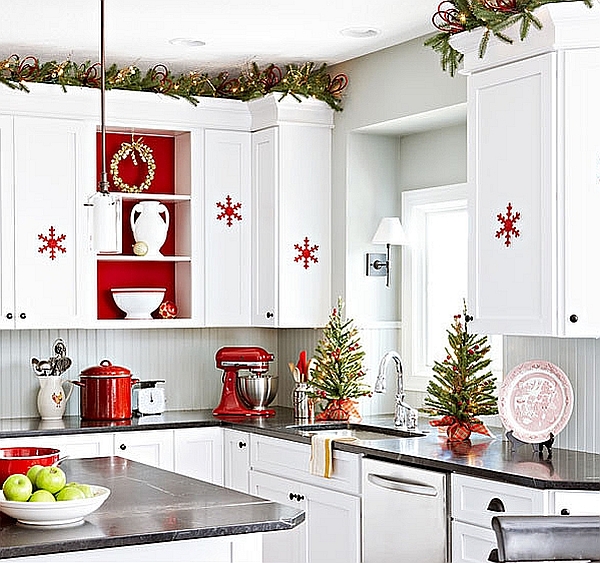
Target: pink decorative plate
(535, 400)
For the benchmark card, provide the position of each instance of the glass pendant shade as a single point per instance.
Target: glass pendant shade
(106, 216)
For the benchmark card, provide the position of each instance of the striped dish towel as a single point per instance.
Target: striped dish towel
(321, 454)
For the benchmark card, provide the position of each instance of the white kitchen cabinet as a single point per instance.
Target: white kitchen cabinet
(152, 447)
(291, 198)
(199, 453)
(71, 445)
(280, 472)
(45, 269)
(533, 181)
(227, 227)
(331, 531)
(236, 459)
(476, 501)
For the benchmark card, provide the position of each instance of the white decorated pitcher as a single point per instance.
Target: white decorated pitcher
(52, 399)
(149, 226)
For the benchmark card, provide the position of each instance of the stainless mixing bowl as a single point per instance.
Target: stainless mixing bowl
(257, 391)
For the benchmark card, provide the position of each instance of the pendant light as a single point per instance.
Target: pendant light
(106, 206)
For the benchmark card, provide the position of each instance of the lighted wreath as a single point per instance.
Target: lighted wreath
(145, 154)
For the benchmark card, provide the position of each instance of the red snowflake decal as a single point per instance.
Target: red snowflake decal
(52, 243)
(229, 212)
(306, 253)
(508, 225)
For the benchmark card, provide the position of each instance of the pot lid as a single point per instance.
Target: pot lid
(106, 369)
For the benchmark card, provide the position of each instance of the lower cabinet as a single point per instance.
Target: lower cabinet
(152, 447)
(331, 531)
(332, 528)
(236, 460)
(198, 453)
(476, 501)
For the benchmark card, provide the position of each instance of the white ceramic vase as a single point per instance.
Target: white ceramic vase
(149, 225)
(52, 399)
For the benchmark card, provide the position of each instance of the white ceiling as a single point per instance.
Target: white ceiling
(236, 32)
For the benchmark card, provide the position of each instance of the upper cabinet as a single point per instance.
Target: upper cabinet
(291, 195)
(242, 191)
(45, 270)
(534, 189)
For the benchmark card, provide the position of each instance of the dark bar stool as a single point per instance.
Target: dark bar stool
(546, 538)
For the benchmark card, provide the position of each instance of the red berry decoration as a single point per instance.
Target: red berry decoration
(167, 310)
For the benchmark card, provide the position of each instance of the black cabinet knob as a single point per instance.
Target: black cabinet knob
(565, 512)
(468, 318)
(269, 315)
(241, 445)
(22, 316)
(9, 316)
(573, 318)
(123, 447)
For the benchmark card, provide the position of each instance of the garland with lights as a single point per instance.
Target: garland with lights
(495, 16)
(297, 80)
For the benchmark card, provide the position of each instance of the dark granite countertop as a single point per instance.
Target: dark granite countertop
(147, 505)
(481, 457)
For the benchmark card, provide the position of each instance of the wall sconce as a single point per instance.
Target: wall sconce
(389, 231)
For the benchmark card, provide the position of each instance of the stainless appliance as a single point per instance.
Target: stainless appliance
(404, 514)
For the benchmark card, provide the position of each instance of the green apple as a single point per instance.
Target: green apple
(51, 479)
(85, 489)
(42, 496)
(32, 473)
(70, 493)
(17, 487)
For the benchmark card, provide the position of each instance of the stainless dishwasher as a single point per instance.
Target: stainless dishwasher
(404, 514)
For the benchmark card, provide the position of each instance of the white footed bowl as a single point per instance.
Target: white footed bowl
(138, 302)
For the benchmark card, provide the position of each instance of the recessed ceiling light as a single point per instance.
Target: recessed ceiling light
(360, 32)
(187, 42)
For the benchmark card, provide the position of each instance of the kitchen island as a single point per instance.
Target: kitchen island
(152, 515)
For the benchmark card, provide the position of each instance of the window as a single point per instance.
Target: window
(434, 275)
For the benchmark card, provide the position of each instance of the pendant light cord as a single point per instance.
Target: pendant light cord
(103, 175)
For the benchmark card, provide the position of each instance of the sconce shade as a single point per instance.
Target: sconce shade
(390, 231)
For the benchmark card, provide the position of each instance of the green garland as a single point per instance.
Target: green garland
(495, 16)
(297, 80)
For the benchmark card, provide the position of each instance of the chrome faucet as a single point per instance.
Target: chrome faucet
(404, 415)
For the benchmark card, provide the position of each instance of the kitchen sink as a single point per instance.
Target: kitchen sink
(362, 432)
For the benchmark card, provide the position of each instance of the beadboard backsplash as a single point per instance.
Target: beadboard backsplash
(579, 359)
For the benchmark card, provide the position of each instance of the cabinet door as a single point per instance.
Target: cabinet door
(199, 453)
(227, 227)
(236, 462)
(331, 531)
(265, 280)
(512, 199)
(304, 225)
(52, 165)
(580, 312)
(471, 544)
(152, 447)
(7, 264)
(284, 546)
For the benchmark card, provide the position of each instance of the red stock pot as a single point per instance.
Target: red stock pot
(105, 392)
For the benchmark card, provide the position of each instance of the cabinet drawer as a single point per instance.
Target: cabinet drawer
(291, 460)
(577, 503)
(476, 501)
(471, 544)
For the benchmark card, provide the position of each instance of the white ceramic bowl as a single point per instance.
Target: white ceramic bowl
(54, 513)
(138, 302)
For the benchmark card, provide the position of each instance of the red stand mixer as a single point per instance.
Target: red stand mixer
(245, 396)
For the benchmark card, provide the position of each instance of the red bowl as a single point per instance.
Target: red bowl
(19, 460)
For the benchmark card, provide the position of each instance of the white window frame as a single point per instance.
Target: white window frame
(415, 205)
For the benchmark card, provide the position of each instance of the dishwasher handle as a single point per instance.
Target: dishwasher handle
(394, 484)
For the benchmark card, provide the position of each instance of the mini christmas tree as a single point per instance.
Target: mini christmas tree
(462, 389)
(338, 374)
